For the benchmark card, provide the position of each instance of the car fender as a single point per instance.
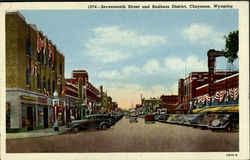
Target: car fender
(105, 123)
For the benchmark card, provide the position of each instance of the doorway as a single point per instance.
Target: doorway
(45, 117)
(30, 118)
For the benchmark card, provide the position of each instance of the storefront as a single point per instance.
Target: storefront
(31, 111)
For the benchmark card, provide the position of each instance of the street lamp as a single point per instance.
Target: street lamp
(55, 104)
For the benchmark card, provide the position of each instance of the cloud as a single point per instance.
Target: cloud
(152, 66)
(115, 43)
(191, 63)
(205, 35)
(110, 74)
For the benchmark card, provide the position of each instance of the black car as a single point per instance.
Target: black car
(225, 122)
(197, 120)
(98, 121)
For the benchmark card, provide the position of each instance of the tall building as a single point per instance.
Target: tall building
(34, 71)
(88, 95)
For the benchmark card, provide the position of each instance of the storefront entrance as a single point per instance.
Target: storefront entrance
(45, 117)
(30, 118)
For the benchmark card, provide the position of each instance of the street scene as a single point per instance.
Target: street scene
(132, 137)
(80, 81)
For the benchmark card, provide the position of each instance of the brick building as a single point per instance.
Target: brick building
(34, 71)
(88, 99)
(187, 92)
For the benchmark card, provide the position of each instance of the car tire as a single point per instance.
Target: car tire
(104, 126)
(229, 128)
(76, 129)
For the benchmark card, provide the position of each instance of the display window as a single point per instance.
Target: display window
(40, 113)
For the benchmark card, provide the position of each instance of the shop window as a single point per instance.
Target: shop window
(27, 43)
(27, 76)
(40, 113)
(24, 116)
(38, 82)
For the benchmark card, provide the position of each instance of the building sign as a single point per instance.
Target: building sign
(62, 103)
(80, 89)
(42, 100)
(28, 98)
(58, 79)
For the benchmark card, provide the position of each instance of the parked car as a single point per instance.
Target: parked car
(171, 118)
(133, 119)
(150, 118)
(197, 120)
(225, 121)
(189, 118)
(98, 121)
(207, 120)
(181, 119)
(162, 117)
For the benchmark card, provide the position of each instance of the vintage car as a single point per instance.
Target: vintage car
(133, 119)
(162, 118)
(171, 118)
(150, 118)
(190, 118)
(207, 120)
(97, 121)
(227, 122)
(197, 120)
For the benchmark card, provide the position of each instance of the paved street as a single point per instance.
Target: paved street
(134, 137)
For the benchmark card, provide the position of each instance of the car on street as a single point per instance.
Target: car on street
(97, 121)
(133, 119)
(226, 122)
(162, 118)
(171, 118)
(150, 118)
(191, 119)
(207, 120)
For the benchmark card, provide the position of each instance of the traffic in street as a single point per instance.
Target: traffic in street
(132, 136)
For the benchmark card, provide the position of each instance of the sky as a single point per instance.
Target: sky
(134, 52)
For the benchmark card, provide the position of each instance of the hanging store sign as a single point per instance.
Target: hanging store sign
(42, 100)
(28, 98)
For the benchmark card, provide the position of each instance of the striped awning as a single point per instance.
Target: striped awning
(197, 110)
(226, 109)
(234, 109)
(211, 109)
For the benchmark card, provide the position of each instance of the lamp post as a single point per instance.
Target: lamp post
(55, 104)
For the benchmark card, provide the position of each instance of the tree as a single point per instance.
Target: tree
(232, 46)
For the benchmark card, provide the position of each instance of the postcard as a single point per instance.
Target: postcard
(125, 80)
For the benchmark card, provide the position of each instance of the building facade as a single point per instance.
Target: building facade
(34, 71)
(88, 95)
(187, 93)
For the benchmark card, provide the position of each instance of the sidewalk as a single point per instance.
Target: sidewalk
(37, 133)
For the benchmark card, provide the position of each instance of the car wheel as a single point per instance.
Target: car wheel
(104, 126)
(229, 128)
(76, 129)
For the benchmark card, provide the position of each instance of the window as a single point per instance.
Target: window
(31, 49)
(60, 69)
(44, 82)
(49, 85)
(38, 57)
(38, 82)
(53, 86)
(27, 76)
(27, 47)
(44, 59)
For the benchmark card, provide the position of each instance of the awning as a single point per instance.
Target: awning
(211, 109)
(226, 109)
(234, 109)
(197, 110)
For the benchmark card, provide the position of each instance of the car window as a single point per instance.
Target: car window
(91, 118)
